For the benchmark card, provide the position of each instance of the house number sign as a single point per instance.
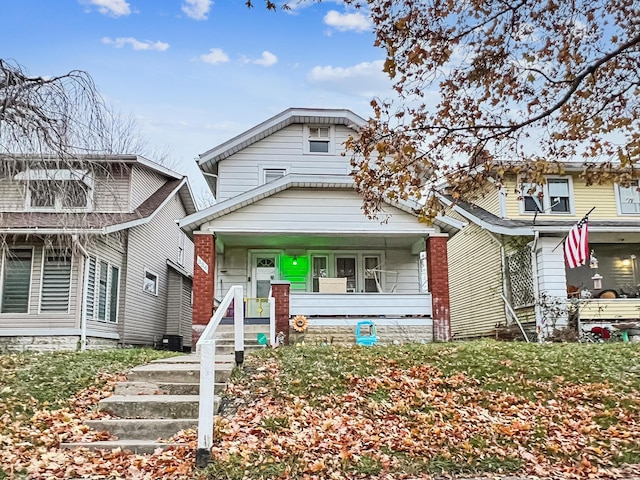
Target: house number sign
(202, 264)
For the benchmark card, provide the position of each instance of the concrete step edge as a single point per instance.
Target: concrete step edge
(135, 446)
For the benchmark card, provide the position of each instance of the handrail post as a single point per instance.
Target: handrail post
(238, 324)
(206, 403)
(272, 320)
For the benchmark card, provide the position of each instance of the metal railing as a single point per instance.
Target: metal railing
(206, 347)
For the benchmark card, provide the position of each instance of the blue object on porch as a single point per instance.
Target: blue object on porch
(366, 333)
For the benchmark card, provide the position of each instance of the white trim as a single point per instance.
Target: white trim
(502, 202)
(157, 283)
(63, 174)
(142, 221)
(352, 322)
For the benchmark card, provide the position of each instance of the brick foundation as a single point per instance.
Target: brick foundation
(438, 278)
(203, 284)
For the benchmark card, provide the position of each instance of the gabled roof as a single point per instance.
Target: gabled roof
(517, 227)
(316, 116)
(192, 222)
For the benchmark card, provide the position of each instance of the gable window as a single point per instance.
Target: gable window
(57, 190)
(271, 174)
(554, 196)
(150, 283)
(629, 199)
(16, 280)
(319, 139)
(56, 281)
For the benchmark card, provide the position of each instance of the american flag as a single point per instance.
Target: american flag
(576, 245)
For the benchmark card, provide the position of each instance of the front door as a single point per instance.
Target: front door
(264, 269)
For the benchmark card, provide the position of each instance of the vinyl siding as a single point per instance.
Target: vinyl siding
(283, 149)
(106, 249)
(603, 197)
(144, 183)
(12, 195)
(314, 210)
(150, 245)
(34, 319)
(475, 283)
(111, 192)
(489, 200)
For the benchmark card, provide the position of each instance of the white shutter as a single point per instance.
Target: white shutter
(56, 282)
(17, 281)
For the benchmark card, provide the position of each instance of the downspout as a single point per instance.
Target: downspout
(85, 288)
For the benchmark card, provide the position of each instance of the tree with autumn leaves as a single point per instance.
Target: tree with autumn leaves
(491, 87)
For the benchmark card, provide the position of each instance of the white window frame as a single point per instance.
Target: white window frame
(62, 175)
(330, 139)
(332, 267)
(546, 199)
(153, 292)
(619, 203)
(269, 168)
(2, 268)
(42, 262)
(108, 294)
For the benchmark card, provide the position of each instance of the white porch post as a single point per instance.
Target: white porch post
(551, 282)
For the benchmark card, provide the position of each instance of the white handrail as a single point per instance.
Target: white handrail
(272, 320)
(206, 347)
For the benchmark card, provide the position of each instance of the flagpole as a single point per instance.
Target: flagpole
(565, 237)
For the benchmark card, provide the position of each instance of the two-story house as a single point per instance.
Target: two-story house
(287, 213)
(508, 262)
(92, 255)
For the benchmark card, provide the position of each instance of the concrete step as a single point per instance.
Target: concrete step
(153, 406)
(142, 447)
(176, 373)
(162, 388)
(142, 429)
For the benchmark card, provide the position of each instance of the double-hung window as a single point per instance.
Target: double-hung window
(554, 196)
(629, 199)
(319, 139)
(16, 280)
(271, 174)
(57, 190)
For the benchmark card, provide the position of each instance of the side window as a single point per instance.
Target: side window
(150, 282)
(271, 174)
(559, 196)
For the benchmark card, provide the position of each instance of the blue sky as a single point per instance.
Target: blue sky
(195, 73)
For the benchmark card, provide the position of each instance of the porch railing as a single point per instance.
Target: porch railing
(371, 304)
(609, 309)
(206, 347)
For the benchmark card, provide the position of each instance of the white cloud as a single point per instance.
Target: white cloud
(197, 9)
(136, 44)
(116, 8)
(357, 22)
(364, 79)
(215, 55)
(266, 60)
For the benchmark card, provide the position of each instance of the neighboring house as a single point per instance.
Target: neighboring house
(93, 256)
(511, 255)
(288, 217)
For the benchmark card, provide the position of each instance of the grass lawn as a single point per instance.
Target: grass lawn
(559, 410)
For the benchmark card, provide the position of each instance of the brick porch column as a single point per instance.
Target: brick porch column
(204, 262)
(280, 291)
(438, 278)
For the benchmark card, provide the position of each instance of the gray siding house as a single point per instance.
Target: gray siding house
(91, 254)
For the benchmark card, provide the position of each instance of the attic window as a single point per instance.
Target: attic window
(319, 139)
(57, 190)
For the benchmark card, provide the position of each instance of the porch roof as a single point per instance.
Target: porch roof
(193, 222)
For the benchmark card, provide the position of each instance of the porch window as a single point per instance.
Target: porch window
(16, 281)
(372, 274)
(346, 268)
(319, 270)
(56, 281)
(629, 199)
